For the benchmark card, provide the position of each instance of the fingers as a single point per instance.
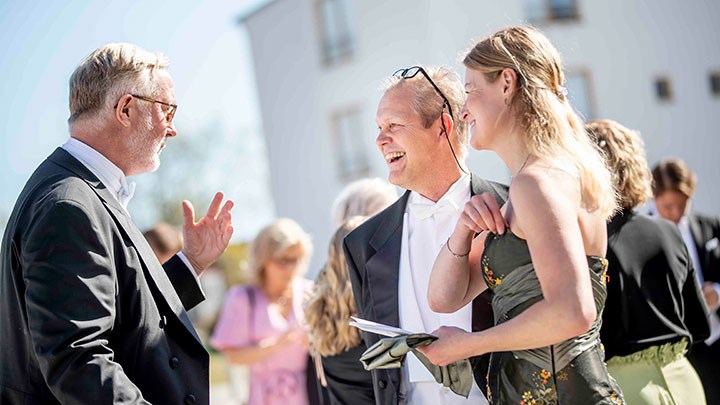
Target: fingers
(188, 213)
(471, 218)
(227, 234)
(494, 215)
(225, 221)
(229, 204)
(214, 208)
(482, 213)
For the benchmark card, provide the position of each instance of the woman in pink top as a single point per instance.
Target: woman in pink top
(261, 324)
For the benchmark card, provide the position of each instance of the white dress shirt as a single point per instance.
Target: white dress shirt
(111, 176)
(426, 227)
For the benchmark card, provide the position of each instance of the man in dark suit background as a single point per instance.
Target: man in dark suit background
(391, 255)
(673, 187)
(87, 313)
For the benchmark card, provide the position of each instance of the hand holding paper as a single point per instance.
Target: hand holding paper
(390, 352)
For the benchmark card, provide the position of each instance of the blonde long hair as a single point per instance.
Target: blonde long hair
(624, 152)
(329, 308)
(552, 127)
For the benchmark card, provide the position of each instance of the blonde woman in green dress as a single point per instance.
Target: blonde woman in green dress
(542, 253)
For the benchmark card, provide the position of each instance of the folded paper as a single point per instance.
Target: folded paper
(390, 352)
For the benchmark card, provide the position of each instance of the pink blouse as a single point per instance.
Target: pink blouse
(280, 377)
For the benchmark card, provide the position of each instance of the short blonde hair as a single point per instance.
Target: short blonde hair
(331, 304)
(625, 155)
(673, 174)
(552, 127)
(109, 72)
(428, 103)
(365, 197)
(272, 241)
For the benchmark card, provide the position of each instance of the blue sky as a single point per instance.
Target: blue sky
(214, 84)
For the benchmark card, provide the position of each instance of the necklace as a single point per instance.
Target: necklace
(523, 165)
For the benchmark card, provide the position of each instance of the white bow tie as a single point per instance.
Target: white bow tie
(424, 211)
(126, 193)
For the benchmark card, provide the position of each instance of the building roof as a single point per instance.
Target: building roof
(251, 11)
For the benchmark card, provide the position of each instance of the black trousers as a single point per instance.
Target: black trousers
(706, 360)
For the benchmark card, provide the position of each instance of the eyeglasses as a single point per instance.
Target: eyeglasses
(170, 114)
(411, 72)
(287, 261)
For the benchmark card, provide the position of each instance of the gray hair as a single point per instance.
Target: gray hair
(428, 103)
(364, 197)
(108, 73)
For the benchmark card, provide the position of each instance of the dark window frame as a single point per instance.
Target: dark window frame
(344, 173)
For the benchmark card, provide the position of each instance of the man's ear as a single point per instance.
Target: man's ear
(449, 124)
(509, 82)
(122, 111)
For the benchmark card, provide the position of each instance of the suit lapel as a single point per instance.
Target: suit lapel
(150, 263)
(482, 313)
(382, 267)
(148, 260)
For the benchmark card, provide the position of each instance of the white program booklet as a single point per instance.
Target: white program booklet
(377, 328)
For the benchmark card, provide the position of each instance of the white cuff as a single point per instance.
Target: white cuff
(185, 260)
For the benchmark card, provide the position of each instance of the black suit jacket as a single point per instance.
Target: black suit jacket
(88, 313)
(372, 251)
(653, 294)
(705, 231)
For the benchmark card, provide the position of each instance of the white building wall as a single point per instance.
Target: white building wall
(623, 44)
(287, 62)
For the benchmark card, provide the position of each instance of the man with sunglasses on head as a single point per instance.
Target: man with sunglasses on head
(87, 313)
(390, 256)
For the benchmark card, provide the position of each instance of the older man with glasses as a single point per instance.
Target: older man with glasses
(87, 313)
(391, 255)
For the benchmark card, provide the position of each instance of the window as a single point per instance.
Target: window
(550, 10)
(337, 39)
(663, 89)
(580, 93)
(350, 145)
(715, 83)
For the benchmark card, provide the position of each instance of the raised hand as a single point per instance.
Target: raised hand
(482, 213)
(205, 240)
(711, 296)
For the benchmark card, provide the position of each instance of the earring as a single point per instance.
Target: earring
(507, 101)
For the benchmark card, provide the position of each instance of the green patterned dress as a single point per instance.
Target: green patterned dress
(570, 372)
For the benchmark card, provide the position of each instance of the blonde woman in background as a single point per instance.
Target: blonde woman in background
(542, 253)
(261, 325)
(654, 305)
(332, 303)
(328, 313)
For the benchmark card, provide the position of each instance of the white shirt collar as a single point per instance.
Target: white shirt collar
(684, 223)
(110, 175)
(455, 196)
